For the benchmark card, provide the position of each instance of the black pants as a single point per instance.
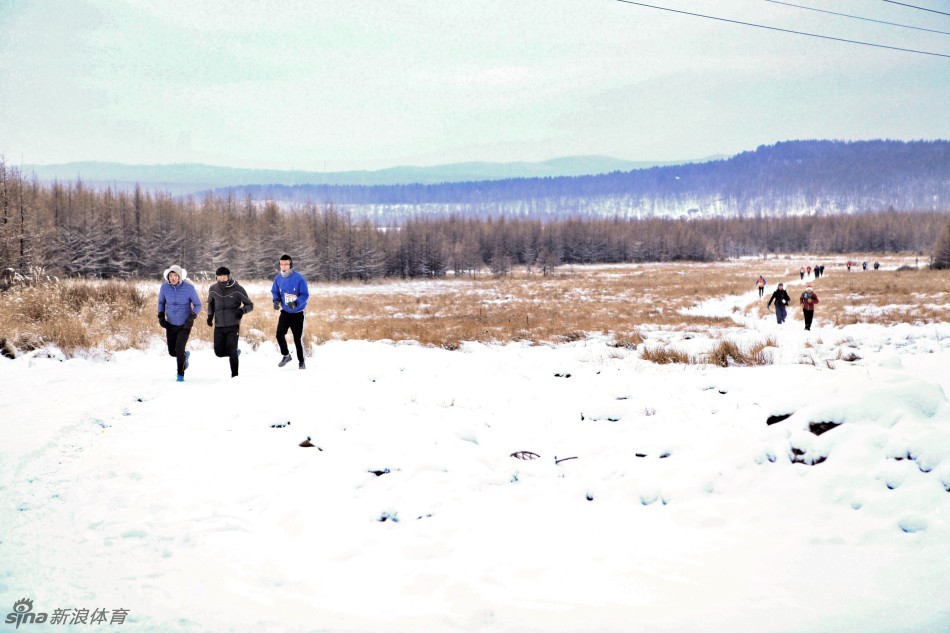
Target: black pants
(226, 344)
(293, 322)
(177, 337)
(809, 315)
(761, 291)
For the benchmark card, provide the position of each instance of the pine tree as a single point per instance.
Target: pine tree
(941, 251)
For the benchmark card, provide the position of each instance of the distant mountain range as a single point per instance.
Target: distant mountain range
(186, 178)
(788, 178)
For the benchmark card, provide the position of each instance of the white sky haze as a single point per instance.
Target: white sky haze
(340, 85)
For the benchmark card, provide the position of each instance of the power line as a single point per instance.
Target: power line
(916, 7)
(775, 28)
(858, 17)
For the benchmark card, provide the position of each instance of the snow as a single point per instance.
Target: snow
(661, 499)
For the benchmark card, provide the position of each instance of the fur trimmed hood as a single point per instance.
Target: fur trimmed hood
(175, 268)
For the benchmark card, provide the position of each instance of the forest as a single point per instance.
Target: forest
(70, 230)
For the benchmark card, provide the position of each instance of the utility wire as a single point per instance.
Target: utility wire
(916, 7)
(858, 17)
(775, 28)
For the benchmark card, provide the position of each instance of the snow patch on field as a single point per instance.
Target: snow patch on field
(660, 494)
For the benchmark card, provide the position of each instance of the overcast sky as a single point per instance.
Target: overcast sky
(364, 84)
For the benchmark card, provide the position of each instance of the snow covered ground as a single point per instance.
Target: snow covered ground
(660, 500)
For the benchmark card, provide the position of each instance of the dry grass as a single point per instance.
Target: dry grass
(94, 315)
(75, 315)
(627, 340)
(885, 297)
(725, 353)
(615, 301)
(730, 354)
(622, 302)
(665, 355)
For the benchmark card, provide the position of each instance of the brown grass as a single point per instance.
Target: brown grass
(619, 302)
(884, 297)
(567, 307)
(75, 315)
(729, 354)
(665, 355)
(627, 340)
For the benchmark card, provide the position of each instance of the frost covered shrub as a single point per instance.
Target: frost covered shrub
(32, 276)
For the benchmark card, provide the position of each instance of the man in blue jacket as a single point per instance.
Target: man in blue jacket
(290, 294)
(178, 305)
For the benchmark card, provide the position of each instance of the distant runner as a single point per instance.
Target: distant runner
(781, 299)
(808, 301)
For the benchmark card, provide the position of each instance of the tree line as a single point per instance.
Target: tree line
(68, 229)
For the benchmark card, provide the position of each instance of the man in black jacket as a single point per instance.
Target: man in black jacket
(781, 299)
(227, 304)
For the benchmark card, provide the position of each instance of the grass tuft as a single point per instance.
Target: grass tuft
(730, 354)
(627, 340)
(665, 355)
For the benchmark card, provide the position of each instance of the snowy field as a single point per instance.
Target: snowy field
(660, 499)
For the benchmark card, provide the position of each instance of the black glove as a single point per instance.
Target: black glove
(277, 304)
(161, 320)
(240, 313)
(291, 304)
(210, 320)
(190, 320)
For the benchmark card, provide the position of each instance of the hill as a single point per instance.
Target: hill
(787, 178)
(189, 178)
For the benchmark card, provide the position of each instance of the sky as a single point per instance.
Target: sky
(336, 86)
(660, 500)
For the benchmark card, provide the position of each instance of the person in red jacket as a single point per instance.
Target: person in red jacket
(808, 301)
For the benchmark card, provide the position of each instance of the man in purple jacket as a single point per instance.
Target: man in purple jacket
(178, 305)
